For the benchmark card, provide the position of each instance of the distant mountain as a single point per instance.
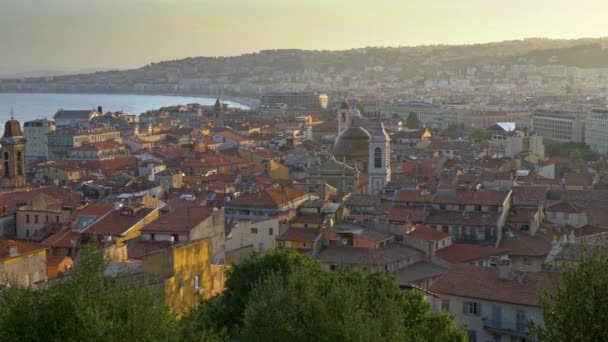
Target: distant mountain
(292, 69)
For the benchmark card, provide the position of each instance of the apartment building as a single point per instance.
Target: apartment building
(596, 130)
(559, 126)
(35, 132)
(61, 141)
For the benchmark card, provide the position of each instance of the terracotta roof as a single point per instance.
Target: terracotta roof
(273, 197)
(405, 214)
(140, 249)
(300, 234)
(62, 239)
(461, 252)
(525, 194)
(524, 288)
(521, 215)
(362, 200)
(413, 197)
(465, 196)
(579, 179)
(566, 207)
(423, 232)
(179, 220)
(94, 209)
(308, 218)
(524, 244)
(115, 223)
(23, 247)
(367, 256)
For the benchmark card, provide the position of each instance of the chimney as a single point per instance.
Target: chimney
(504, 269)
(100, 109)
(12, 249)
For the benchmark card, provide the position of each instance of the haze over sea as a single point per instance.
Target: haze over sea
(28, 106)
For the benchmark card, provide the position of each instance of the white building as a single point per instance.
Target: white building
(494, 302)
(559, 126)
(35, 132)
(379, 165)
(596, 130)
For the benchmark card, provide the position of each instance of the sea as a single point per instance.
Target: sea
(31, 106)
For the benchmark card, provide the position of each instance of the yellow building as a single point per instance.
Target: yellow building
(65, 172)
(184, 273)
(22, 262)
(266, 162)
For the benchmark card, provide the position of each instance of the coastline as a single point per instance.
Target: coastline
(244, 101)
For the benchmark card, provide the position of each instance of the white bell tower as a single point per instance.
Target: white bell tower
(379, 165)
(343, 117)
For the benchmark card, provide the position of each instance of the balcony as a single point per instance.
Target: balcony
(503, 327)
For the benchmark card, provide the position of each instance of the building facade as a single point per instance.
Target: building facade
(13, 156)
(61, 141)
(559, 126)
(596, 130)
(35, 132)
(379, 165)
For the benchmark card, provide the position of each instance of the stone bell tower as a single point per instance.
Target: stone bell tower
(13, 156)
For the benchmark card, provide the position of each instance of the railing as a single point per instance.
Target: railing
(517, 328)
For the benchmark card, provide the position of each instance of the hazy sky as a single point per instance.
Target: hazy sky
(131, 33)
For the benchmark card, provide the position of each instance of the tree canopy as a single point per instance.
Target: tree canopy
(284, 296)
(86, 306)
(412, 120)
(577, 310)
(579, 151)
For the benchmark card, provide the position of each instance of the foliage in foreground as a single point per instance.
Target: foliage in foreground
(284, 296)
(87, 306)
(578, 151)
(577, 310)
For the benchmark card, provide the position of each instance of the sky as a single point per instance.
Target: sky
(78, 34)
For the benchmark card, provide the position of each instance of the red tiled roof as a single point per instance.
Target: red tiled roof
(524, 244)
(413, 197)
(23, 247)
(465, 196)
(460, 252)
(273, 197)
(300, 234)
(115, 223)
(578, 179)
(405, 214)
(484, 283)
(233, 136)
(423, 232)
(94, 209)
(142, 248)
(179, 220)
(62, 239)
(566, 207)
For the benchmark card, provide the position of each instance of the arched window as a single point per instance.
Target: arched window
(377, 158)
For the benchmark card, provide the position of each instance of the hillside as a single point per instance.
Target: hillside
(364, 68)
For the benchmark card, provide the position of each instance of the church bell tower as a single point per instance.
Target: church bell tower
(379, 165)
(13, 156)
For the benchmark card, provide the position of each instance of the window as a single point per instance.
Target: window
(520, 320)
(46, 220)
(270, 231)
(36, 219)
(27, 218)
(445, 305)
(152, 237)
(332, 267)
(471, 308)
(56, 218)
(27, 233)
(472, 335)
(197, 284)
(254, 230)
(377, 158)
(304, 244)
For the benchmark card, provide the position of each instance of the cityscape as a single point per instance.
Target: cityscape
(442, 192)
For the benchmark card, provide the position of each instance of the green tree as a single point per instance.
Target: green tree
(577, 310)
(480, 135)
(348, 305)
(579, 151)
(412, 120)
(85, 306)
(284, 296)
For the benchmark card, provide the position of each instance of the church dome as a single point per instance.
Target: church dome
(12, 132)
(352, 143)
